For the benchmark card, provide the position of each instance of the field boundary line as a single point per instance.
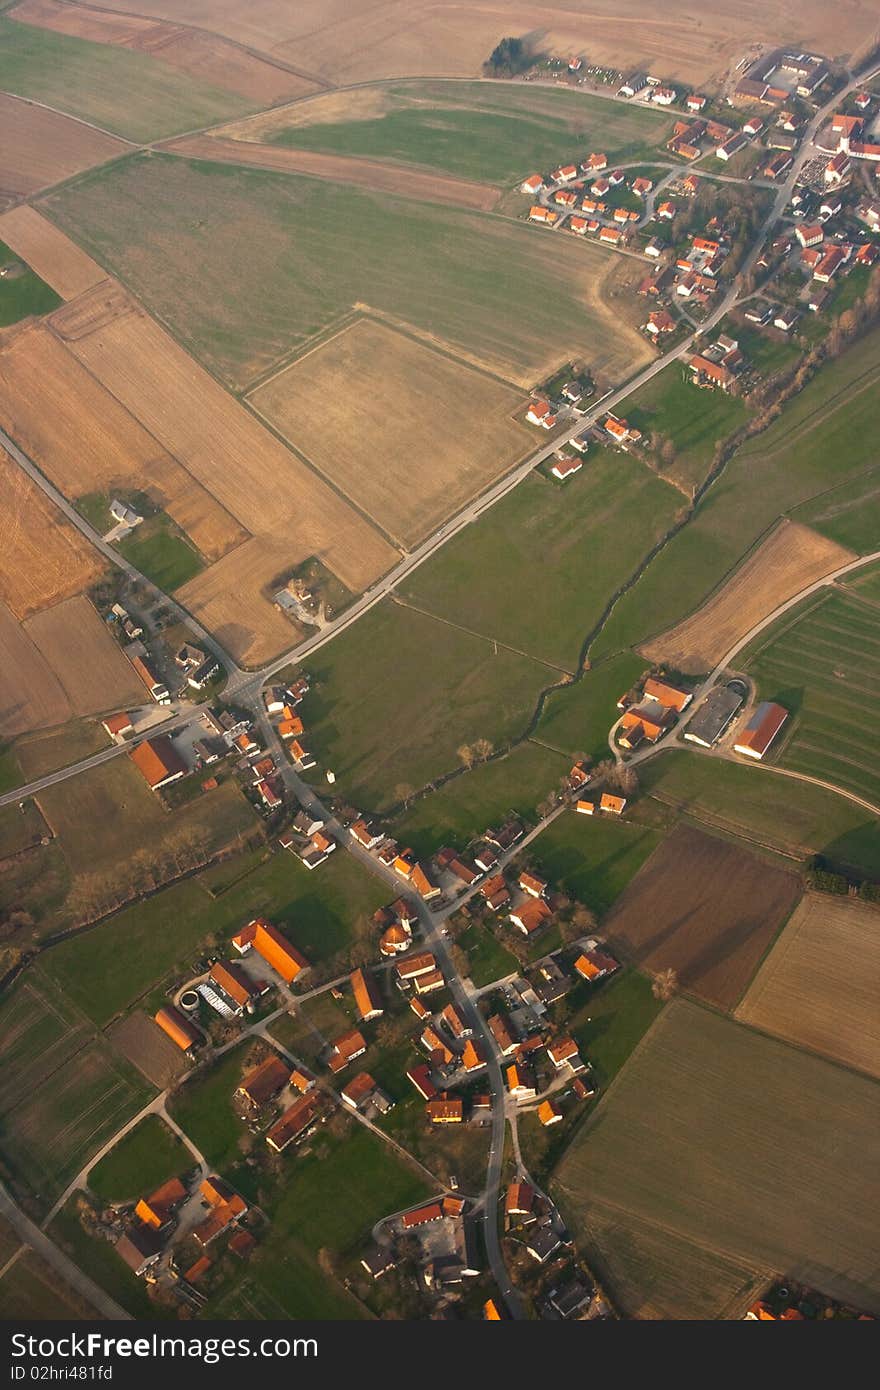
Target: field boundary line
(469, 631)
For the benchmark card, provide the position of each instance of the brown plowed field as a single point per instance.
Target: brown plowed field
(251, 473)
(356, 40)
(820, 985)
(705, 909)
(42, 147)
(86, 660)
(409, 434)
(789, 560)
(147, 1047)
(85, 441)
(204, 56)
(42, 557)
(31, 696)
(54, 257)
(367, 173)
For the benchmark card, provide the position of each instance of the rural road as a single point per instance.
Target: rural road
(32, 1236)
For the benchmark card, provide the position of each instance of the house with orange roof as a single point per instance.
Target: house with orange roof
(366, 996)
(178, 1028)
(158, 1209)
(362, 832)
(409, 967)
(564, 1053)
(578, 225)
(613, 805)
(566, 198)
(265, 1081)
(359, 1091)
(237, 990)
(117, 726)
(549, 1112)
(495, 892)
(586, 808)
(261, 936)
(532, 185)
(594, 965)
(666, 211)
(422, 1216)
(226, 1208)
(539, 413)
(531, 884)
(520, 1082)
(566, 174)
(297, 1121)
(491, 1312)
(672, 695)
(504, 1039)
(565, 465)
(345, 1049)
(594, 163)
(445, 1110)
(531, 916)
(519, 1199)
(543, 216)
(429, 982)
(420, 1076)
(290, 727)
(472, 1058)
(611, 235)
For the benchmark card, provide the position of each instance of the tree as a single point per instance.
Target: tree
(483, 749)
(508, 58)
(466, 754)
(668, 453)
(664, 984)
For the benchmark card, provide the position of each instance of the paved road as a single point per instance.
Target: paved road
(71, 1274)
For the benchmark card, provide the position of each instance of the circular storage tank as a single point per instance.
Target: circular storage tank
(189, 1001)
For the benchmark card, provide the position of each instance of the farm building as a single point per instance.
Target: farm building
(761, 730)
(158, 762)
(178, 1028)
(670, 695)
(714, 716)
(275, 949)
(295, 1122)
(365, 995)
(264, 1082)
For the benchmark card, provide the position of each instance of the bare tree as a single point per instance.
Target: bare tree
(466, 754)
(664, 984)
(483, 749)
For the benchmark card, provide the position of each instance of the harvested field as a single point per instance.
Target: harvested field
(790, 559)
(87, 661)
(147, 1048)
(85, 441)
(408, 434)
(820, 985)
(42, 147)
(31, 696)
(231, 599)
(31, 1291)
(54, 257)
(700, 1137)
(43, 558)
(173, 229)
(368, 173)
(202, 55)
(345, 42)
(704, 908)
(249, 471)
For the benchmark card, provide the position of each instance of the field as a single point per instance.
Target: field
(22, 293)
(378, 711)
(41, 147)
(577, 544)
(740, 1114)
(165, 933)
(593, 859)
(290, 511)
(789, 560)
(90, 665)
(494, 134)
(172, 229)
(849, 514)
(161, 553)
(118, 839)
(576, 718)
(345, 43)
(63, 1092)
(47, 750)
(31, 1290)
(823, 665)
(706, 909)
(114, 88)
(363, 173)
(487, 959)
(865, 582)
(156, 1057)
(466, 806)
(821, 441)
(793, 817)
(146, 1157)
(694, 420)
(44, 558)
(819, 985)
(31, 696)
(407, 434)
(49, 253)
(192, 51)
(85, 441)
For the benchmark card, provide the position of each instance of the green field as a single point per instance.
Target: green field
(22, 294)
(171, 229)
(63, 1093)
(824, 667)
(694, 420)
(849, 514)
(106, 969)
(865, 582)
(203, 1109)
(488, 960)
(757, 805)
(541, 567)
(593, 857)
(125, 92)
(823, 438)
(160, 552)
(711, 1167)
(148, 1156)
(472, 803)
(382, 696)
(478, 130)
(576, 720)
